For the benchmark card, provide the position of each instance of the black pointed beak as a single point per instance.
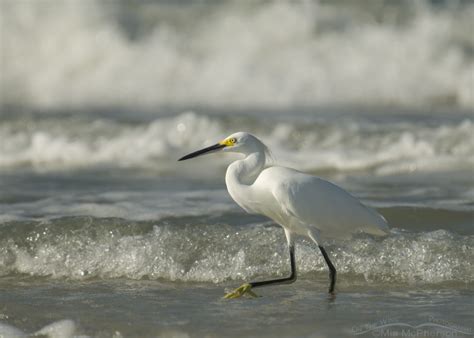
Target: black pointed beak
(207, 150)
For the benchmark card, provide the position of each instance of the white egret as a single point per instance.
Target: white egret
(302, 204)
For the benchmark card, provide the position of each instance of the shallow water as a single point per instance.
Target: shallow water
(109, 235)
(152, 308)
(138, 255)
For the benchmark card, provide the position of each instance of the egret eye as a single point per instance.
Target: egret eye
(233, 140)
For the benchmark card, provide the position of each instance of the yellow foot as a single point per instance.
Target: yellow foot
(240, 291)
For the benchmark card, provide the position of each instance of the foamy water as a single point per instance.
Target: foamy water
(192, 250)
(60, 329)
(346, 143)
(108, 199)
(76, 54)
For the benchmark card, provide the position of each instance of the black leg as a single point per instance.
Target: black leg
(332, 270)
(286, 280)
(246, 288)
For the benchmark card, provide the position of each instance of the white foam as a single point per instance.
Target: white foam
(9, 331)
(403, 149)
(70, 144)
(61, 329)
(205, 253)
(333, 145)
(75, 54)
(65, 328)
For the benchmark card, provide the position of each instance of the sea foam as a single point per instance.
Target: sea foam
(340, 144)
(65, 328)
(96, 54)
(192, 250)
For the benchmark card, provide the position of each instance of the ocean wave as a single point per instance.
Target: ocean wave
(192, 250)
(96, 54)
(342, 144)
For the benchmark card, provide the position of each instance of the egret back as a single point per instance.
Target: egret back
(307, 202)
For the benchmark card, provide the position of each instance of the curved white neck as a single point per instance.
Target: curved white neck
(241, 175)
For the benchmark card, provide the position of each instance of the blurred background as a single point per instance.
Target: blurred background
(132, 55)
(125, 83)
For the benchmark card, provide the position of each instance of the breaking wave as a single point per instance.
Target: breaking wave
(344, 144)
(192, 250)
(95, 54)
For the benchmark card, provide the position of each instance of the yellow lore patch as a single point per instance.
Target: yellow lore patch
(228, 142)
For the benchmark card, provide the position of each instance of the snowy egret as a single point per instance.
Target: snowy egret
(302, 204)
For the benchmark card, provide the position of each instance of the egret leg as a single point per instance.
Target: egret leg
(246, 288)
(332, 270)
(287, 280)
(314, 235)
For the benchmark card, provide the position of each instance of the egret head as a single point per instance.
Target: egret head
(239, 142)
